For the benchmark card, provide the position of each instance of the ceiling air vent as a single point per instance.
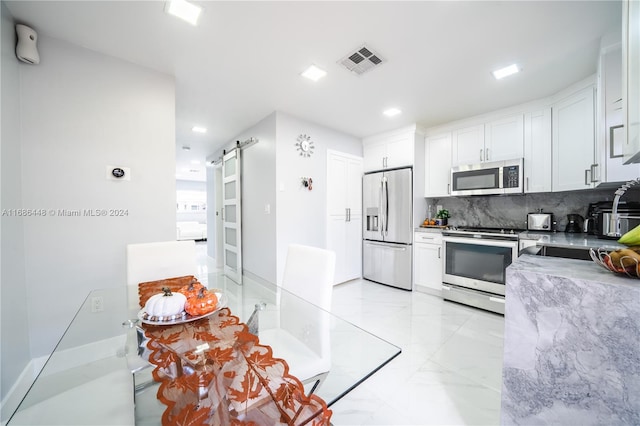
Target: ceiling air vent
(361, 61)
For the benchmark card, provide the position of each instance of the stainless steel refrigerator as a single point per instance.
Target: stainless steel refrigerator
(387, 200)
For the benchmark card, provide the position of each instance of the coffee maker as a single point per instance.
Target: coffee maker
(574, 223)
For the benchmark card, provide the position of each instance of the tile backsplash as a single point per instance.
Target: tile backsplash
(510, 211)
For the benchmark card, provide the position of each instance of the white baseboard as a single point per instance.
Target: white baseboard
(65, 359)
(19, 389)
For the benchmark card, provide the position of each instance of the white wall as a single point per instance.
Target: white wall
(14, 335)
(302, 213)
(81, 111)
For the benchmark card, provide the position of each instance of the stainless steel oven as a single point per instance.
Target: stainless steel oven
(475, 263)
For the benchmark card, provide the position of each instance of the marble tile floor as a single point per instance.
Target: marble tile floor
(449, 372)
(450, 368)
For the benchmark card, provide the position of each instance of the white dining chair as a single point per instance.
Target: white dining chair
(152, 262)
(160, 260)
(302, 338)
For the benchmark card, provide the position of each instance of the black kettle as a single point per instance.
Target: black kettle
(574, 223)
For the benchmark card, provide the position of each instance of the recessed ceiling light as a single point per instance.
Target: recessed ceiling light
(314, 73)
(195, 161)
(392, 112)
(506, 71)
(198, 129)
(183, 10)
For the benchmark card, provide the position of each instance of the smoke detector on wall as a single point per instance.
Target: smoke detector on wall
(361, 60)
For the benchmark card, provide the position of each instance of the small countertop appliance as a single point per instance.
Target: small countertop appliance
(574, 223)
(540, 221)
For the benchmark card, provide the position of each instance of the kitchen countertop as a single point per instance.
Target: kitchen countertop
(433, 230)
(570, 344)
(569, 240)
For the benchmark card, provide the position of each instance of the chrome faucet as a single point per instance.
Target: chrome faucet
(614, 220)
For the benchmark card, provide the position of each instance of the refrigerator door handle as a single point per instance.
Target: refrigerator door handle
(386, 202)
(382, 218)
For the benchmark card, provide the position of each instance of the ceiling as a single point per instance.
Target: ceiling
(244, 59)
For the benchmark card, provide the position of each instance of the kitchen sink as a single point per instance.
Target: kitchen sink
(564, 252)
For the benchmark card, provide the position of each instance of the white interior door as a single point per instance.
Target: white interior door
(232, 215)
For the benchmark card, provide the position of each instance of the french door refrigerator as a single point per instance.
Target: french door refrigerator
(387, 200)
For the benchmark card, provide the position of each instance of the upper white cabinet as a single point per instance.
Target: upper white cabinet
(503, 138)
(437, 160)
(631, 40)
(495, 140)
(389, 151)
(537, 151)
(468, 145)
(573, 142)
(611, 135)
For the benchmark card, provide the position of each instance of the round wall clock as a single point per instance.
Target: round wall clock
(305, 145)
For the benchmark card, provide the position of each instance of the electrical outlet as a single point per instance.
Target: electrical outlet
(97, 304)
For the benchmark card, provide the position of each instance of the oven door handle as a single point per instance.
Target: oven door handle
(482, 241)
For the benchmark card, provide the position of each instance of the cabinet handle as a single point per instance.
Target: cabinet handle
(586, 179)
(486, 154)
(527, 183)
(346, 214)
(592, 168)
(481, 154)
(448, 188)
(439, 252)
(349, 210)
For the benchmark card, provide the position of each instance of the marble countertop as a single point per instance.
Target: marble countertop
(570, 268)
(434, 230)
(568, 240)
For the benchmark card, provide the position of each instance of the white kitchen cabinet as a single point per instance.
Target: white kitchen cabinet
(468, 145)
(631, 40)
(389, 151)
(427, 262)
(344, 213)
(537, 151)
(437, 160)
(573, 142)
(611, 139)
(504, 138)
(495, 140)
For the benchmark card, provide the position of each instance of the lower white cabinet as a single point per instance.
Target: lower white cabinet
(427, 262)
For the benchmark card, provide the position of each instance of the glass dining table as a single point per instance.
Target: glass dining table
(98, 373)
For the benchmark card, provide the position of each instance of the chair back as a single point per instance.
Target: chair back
(309, 273)
(160, 260)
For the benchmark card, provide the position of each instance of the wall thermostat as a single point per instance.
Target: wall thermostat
(118, 173)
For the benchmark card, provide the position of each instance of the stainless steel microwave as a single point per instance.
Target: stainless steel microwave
(496, 177)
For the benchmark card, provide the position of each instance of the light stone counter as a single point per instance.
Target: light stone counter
(429, 230)
(571, 344)
(569, 240)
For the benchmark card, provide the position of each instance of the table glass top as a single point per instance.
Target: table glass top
(89, 374)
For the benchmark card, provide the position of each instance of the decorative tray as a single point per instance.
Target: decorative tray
(624, 265)
(181, 318)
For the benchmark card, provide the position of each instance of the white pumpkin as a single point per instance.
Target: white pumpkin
(165, 304)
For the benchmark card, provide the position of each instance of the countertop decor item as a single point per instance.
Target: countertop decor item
(442, 217)
(621, 261)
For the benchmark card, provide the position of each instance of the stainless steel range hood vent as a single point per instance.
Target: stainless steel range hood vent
(362, 60)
